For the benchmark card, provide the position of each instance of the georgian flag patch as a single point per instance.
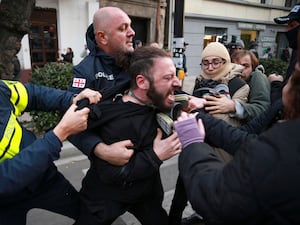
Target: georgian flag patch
(78, 82)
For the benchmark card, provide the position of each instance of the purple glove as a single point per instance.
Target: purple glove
(189, 131)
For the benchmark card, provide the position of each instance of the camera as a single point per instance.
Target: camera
(217, 90)
(165, 120)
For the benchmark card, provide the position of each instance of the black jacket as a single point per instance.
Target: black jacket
(140, 176)
(277, 86)
(231, 139)
(259, 186)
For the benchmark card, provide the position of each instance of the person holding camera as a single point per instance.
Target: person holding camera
(218, 71)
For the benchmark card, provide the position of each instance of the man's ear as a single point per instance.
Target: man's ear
(101, 37)
(142, 82)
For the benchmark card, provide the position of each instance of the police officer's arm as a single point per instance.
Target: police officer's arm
(60, 100)
(19, 171)
(48, 99)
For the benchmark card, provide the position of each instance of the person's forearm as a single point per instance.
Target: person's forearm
(31, 162)
(144, 164)
(55, 100)
(86, 142)
(221, 134)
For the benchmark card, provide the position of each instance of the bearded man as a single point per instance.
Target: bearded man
(108, 191)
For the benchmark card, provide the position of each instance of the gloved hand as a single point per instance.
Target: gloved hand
(189, 130)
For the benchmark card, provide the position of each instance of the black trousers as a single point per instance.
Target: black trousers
(148, 212)
(57, 195)
(179, 202)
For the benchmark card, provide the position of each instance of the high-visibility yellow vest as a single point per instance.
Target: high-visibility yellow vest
(12, 136)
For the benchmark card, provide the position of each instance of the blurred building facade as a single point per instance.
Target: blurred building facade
(249, 20)
(58, 24)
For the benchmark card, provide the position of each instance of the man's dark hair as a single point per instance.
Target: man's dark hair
(141, 62)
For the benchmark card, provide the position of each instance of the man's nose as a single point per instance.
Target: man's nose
(130, 32)
(176, 82)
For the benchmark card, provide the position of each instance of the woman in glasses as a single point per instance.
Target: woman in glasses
(219, 80)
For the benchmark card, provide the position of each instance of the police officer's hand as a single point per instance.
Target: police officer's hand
(93, 96)
(118, 153)
(72, 122)
(168, 147)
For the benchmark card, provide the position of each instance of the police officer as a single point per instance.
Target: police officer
(29, 179)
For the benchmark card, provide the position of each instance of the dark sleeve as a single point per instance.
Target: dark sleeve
(19, 171)
(47, 99)
(276, 89)
(142, 165)
(265, 120)
(221, 193)
(220, 134)
(85, 141)
(259, 96)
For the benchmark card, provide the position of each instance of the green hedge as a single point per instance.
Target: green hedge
(274, 66)
(56, 75)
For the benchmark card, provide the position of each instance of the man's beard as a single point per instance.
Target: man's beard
(158, 98)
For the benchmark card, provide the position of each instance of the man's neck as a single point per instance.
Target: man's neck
(137, 97)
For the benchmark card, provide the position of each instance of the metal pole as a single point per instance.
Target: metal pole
(178, 18)
(178, 39)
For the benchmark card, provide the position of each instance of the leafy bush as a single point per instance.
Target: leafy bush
(274, 66)
(56, 75)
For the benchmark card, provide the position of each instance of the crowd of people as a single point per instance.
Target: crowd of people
(236, 136)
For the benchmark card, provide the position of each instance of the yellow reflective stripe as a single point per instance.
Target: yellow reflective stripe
(19, 96)
(10, 143)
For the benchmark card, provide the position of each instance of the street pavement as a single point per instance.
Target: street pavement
(73, 165)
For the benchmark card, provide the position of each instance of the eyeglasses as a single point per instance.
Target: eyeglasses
(215, 63)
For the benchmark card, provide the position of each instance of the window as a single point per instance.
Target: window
(215, 34)
(290, 3)
(43, 37)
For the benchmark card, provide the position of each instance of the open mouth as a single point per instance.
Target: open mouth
(171, 97)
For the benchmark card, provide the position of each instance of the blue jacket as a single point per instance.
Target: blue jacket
(25, 160)
(97, 71)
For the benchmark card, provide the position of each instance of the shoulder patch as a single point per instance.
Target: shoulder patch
(79, 82)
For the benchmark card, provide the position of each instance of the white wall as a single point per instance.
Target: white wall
(73, 18)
